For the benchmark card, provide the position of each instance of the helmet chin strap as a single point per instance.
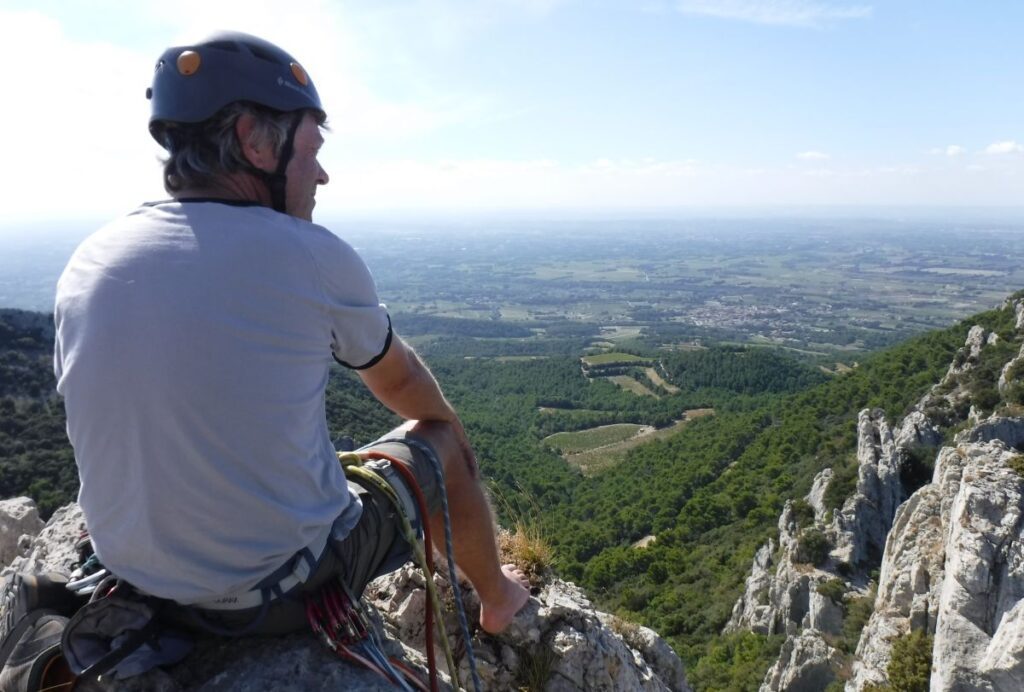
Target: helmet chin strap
(277, 181)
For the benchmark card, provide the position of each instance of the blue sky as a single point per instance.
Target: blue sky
(476, 105)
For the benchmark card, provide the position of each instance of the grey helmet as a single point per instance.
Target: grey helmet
(192, 83)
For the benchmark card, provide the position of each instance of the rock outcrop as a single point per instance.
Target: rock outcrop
(1011, 366)
(559, 642)
(791, 598)
(21, 523)
(978, 643)
(859, 529)
(806, 664)
(951, 554)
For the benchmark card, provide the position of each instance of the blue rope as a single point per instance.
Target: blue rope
(428, 452)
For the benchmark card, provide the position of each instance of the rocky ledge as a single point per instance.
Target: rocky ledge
(558, 643)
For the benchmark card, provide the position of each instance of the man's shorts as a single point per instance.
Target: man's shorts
(375, 546)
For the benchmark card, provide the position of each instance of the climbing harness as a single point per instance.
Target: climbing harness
(335, 616)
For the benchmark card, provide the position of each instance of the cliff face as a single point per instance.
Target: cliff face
(950, 556)
(559, 642)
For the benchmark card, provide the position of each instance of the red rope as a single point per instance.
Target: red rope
(410, 480)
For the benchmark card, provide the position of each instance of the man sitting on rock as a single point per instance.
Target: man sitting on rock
(194, 341)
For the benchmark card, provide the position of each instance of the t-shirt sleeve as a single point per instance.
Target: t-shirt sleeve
(360, 324)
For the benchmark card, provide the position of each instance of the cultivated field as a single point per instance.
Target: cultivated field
(631, 385)
(613, 358)
(583, 440)
(654, 377)
(600, 458)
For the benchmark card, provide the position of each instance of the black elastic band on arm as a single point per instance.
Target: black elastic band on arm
(376, 359)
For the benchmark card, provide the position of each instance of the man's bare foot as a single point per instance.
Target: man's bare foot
(497, 615)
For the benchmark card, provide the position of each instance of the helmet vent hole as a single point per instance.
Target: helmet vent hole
(224, 45)
(264, 54)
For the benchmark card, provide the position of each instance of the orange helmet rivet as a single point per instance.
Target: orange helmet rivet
(188, 62)
(299, 74)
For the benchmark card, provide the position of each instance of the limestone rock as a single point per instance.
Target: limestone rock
(823, 614)
(786, 600)
(968, 356)
(54, 547)
(907, 598)
(18, 517)
(860, 528)
(984, 582)
(1010, 431)
(1001, 664)
(954, 566)
(1019, 309)
(753, 611)
(816, 498)
(806, 664)
(917, 430)
(1004, 382)
(558, 641)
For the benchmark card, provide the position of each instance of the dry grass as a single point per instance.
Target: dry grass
(525, 548)
(524, 545)
(628, 631)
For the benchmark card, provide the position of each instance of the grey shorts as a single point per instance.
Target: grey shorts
(375, 546)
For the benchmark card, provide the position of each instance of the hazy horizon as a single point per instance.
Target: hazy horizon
(32, 257)
(483, 105)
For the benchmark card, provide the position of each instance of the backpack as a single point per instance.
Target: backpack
(54, 632)
(35, 609)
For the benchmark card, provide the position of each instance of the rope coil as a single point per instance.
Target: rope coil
(337, 618)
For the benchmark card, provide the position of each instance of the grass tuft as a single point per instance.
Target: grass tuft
(524, 547)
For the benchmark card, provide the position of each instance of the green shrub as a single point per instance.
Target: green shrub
(1017, 464)
(858, 612)
(736, 661)
(910, 667)
(917, 467)
(843, 483)
(833, 589)
(803, 513)
(812, 547)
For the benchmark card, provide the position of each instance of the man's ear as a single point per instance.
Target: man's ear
(256, 151)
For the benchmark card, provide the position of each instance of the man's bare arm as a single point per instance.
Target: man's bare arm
(403, 383)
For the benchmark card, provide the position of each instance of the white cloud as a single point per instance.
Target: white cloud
(898, 170)
(813, 156)
(82, 147)
(80, 141)
(952, 151)
(1007, 147)
(801, 13)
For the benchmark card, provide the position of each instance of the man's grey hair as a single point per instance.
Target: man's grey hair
(200, 153)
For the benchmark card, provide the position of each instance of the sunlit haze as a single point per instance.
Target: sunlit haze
(486, 105)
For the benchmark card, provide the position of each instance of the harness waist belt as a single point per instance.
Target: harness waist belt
(294, 572)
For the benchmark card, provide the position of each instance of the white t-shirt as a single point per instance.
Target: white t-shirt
(193, 347)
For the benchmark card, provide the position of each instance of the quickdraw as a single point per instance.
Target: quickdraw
(338, 619)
